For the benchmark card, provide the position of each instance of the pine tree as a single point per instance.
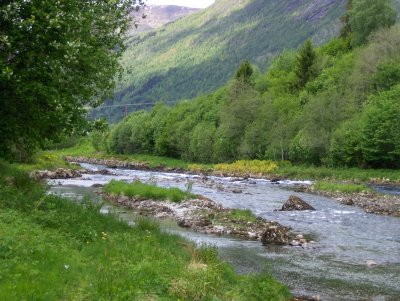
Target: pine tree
(305, 64)
(244, 72)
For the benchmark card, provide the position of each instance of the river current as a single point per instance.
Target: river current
(355, 256)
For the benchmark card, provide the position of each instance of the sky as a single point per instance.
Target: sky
(187, 3)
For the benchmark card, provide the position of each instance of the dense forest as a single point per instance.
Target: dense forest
(337, 105)
(199, 53)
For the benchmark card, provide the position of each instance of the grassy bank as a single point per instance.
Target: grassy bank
(54, 249)
(341, 187)
(138, 189)
(85, 149)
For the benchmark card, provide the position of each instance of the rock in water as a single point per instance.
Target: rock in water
(296, 203)
(276, 235)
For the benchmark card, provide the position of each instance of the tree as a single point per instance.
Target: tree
(244, 72)
(345, 31)
(380, 130)
(367, 16)
(305, 64)
(56, 58)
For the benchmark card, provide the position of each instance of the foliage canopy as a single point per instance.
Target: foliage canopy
(345, 114)
(367, 16)
(56, 58)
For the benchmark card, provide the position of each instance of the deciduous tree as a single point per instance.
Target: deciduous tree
(367, 16)
(56, 58)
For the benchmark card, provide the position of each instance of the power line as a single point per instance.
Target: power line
(131, 105)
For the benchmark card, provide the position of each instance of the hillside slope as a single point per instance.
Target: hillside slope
(199, 53)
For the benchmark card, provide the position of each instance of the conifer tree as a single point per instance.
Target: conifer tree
(244, 72)
(305, 64)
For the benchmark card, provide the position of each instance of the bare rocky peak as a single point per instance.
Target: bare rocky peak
(158, 15)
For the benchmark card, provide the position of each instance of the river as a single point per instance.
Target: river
(356, 256)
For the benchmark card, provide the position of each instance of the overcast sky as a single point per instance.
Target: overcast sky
(188, 3)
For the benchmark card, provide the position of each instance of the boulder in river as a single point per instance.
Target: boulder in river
(295, 203)
(277, 235)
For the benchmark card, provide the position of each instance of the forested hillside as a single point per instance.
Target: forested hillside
(199, 53)
(337, 105)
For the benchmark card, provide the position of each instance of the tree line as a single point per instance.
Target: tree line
(336, 105)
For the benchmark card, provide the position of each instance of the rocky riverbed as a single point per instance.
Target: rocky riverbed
(206, 216)
(369, 202)
(115, 163)
(65, 173)
(354, 254)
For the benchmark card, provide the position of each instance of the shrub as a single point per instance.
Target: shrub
(248, 167)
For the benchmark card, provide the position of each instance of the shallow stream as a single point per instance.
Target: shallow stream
(356, 256)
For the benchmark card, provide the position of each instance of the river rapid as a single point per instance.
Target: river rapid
(356, 256)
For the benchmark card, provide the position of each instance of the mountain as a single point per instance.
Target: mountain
(155, 16)
(198, 53)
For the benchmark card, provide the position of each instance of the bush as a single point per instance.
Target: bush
(244, 167)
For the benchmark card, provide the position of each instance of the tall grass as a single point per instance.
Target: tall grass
(138, 189)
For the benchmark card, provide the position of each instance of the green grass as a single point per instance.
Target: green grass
(349, 174)
(234, 218)
(341, 187)
(45, 161)
(85, 149)
(243, 215)
(55, 249)
(138, 189)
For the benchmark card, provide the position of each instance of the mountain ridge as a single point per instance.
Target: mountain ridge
(152, 17)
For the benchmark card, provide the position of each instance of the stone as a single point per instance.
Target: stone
(295, 203)
(276, 235)
(371, 264)
(105, 172)
(347, 201)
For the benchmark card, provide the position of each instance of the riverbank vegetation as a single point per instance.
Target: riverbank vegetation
(52, 248)
(141, 190)
(341, 187)
(336, 106)
(281, 169)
